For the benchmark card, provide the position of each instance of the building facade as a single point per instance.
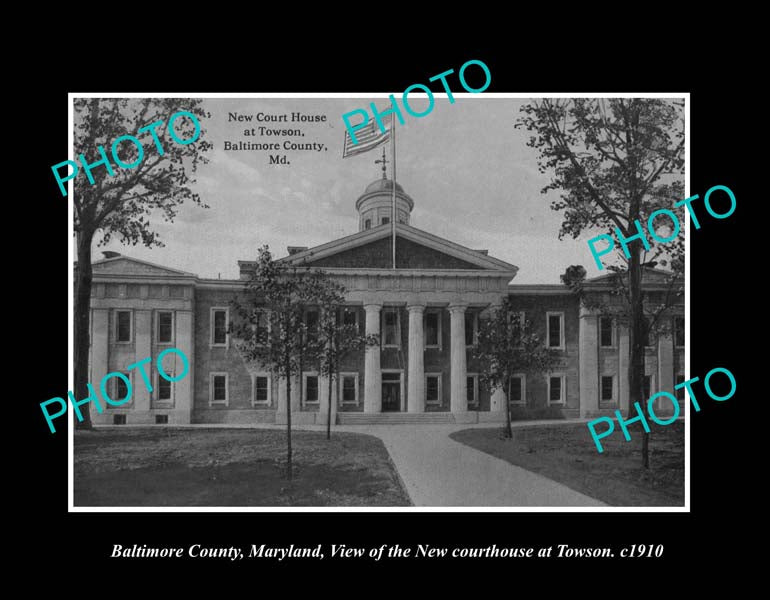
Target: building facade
(426, 312)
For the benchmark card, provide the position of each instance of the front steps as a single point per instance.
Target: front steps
(395, 418)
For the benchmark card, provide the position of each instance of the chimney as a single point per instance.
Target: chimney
(110, 254)
(295, 249)
(484, 252)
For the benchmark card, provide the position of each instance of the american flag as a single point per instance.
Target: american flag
(368, 137)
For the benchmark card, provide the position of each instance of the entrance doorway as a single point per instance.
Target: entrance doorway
(391, 392)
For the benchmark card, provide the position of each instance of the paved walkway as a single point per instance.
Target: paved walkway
(438, 471)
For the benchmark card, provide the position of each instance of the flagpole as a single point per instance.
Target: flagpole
(393, 162)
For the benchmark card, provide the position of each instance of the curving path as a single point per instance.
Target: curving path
(438, 471)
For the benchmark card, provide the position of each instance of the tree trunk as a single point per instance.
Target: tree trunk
(287, 368)
(637, 332)
(508, 427)
(329, 415)
(83, 326)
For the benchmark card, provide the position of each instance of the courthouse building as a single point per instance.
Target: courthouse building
(426, 312)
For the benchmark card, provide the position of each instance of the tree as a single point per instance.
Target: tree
(612, 299)
(126, 204)
(614, 163)
(272, 329)
(336, 339)
(506, 345)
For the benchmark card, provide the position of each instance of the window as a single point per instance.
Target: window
(218, 392)
(517, 390)
(261, 385)
(118, 419)
(120, 389)
(556, 389)
(679, 332)
(432, 329)
(390, 320)
(385, 220)
(161, 419)
(311, 322)
(368, 224)
(349, 388)
(163, 387)
(310, 388)
(472, 389)
(608, 388)
(261, 326)
(433, 388)
(219, 318)
(646, 387)
(123, 326)
(555, 330)
(471, 320)
(680, 392)
(350, 317)
(165, 332)
(606, 337)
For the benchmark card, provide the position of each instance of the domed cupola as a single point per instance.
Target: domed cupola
(374, 206)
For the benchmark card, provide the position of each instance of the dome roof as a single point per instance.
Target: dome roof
(382, 185)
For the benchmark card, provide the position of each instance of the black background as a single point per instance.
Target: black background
(724, 501)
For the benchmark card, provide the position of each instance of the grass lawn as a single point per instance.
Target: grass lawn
(231, 467)
(567, 454)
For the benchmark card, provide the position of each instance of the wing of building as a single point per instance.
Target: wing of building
(426, 311)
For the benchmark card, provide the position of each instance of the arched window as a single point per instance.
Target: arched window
(368, 224)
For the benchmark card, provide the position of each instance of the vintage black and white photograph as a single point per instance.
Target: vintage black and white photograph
(278, 307)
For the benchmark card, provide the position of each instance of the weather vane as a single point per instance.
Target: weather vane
(383, 161)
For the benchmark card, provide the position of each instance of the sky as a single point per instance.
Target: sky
(473, 179)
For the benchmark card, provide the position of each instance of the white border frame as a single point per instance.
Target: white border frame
(343, 95)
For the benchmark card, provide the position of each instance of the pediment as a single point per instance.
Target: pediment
(415, 249)
(124, 265)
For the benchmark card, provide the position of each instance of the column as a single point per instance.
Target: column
(624, 356)
(665, 368)
(589, 363)
(458, 400)
(372, 373)
(100, 350)
(183, 389)
(416, 392)
(143, 335)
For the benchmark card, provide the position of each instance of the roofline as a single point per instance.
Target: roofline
(143, 262)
